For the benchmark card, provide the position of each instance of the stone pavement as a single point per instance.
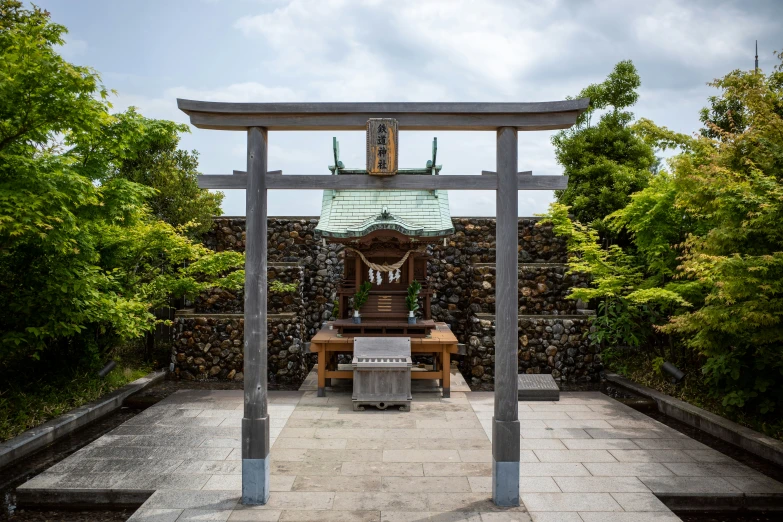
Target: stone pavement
(586, 458)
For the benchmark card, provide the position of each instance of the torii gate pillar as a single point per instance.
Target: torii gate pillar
(505, 421)
(255, 422)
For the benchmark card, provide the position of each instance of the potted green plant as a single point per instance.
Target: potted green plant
(412, 301)
(359, 298)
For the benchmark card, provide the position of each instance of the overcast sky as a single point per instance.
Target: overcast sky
(153, 51)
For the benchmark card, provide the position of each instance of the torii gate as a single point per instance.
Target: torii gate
(506, 119)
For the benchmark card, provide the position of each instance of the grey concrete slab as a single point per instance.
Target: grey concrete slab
(537, 387)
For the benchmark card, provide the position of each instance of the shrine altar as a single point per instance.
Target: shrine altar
(441, 343)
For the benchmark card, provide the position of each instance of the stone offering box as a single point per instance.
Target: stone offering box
(382, 372)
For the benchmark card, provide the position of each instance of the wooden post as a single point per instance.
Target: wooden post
(505, 423)
(255, 423)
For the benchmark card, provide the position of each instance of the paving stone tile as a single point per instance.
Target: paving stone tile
(466, 434)
(421, 516)
(469, 502)
(505, 517)
(298, 501)
(256, 515)
(120, 452)
(651, 456)
(756, 485)
(301, 432)
(331, 516)
(543, 406)
(628, 469)
(600, 485)
(287, 454)
(223, 442)
(228, 482)
(214, 467)
(155, 515)
(574, 456)
(692, 485)
(526, 485)
(663, 443)
(290, 467)
(639, 502)
(89, 480)
(176, 499)
(152, 482)
(421, 456)
(206, 515)
(183, 439)
(300, 414)
(342, 455)
(576, 423)
(553, 469)
(457, 469)
(709, 455)
(408, 469)
(569, 502)
(534, 444)
(173, 452)
(711, 470)
(44, 480)
(458, 423)
(425, 485)
(541, 415)
(348, 433)
(554, 433)
(653, 516)
(596, 444)
(355, 483)
(594, 415)
(372, 501)
(382, 444)
(645, 424)
(75, 464)
(556, 516)
(624, 433)
(299, 443)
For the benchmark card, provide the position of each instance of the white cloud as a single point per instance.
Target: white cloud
(451, 50)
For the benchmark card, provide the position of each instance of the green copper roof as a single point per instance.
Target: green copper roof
(356, 213)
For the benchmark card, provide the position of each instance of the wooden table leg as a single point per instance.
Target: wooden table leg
(321, 372)
(446, 372)
(330, 365)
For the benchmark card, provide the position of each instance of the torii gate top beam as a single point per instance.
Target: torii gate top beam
(410, 116)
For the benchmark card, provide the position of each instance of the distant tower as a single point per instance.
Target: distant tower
(757, 56)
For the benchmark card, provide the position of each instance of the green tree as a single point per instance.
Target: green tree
(706, 247)
(606, 162)
(83, 257)
(146, 151)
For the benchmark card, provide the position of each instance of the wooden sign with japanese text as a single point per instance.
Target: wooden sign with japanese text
(382, 147)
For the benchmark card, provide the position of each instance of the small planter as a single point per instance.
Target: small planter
(357, 319)
(411, 318)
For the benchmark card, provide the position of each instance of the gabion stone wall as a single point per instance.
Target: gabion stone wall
(210, 347)
(221, 301)
(547, 344)
(462, 274)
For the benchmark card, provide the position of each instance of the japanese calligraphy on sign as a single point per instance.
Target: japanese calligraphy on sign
(381, 146)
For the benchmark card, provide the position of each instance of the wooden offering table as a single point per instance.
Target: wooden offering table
(441, 344)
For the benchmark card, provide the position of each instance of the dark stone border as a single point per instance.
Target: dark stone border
(48, 432)
(724, 429)
(87, 499)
